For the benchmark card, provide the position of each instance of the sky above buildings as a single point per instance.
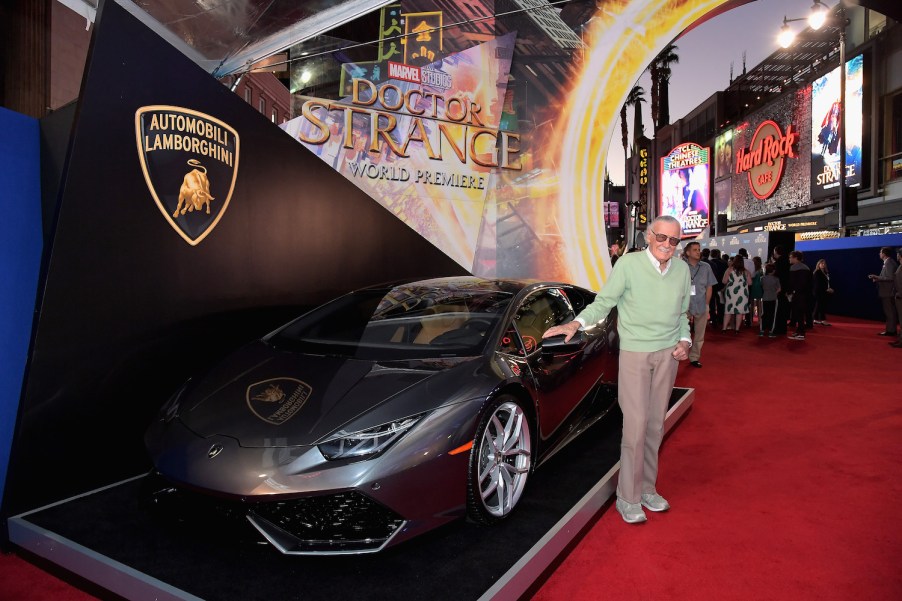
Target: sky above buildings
(706, 53)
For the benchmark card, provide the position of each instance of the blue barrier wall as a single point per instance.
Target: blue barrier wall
(20, 257)
(849, 261)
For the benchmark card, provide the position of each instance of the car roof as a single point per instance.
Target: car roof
(462, 283)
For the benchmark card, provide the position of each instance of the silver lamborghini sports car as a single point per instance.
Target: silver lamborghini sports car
(388, 412)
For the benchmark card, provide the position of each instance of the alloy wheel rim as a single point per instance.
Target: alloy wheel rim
(505, 456)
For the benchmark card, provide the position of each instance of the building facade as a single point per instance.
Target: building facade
(764, 154)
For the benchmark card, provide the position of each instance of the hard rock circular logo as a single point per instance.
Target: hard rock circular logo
(765, 158)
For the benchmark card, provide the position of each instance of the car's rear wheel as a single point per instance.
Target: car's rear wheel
(500, 461)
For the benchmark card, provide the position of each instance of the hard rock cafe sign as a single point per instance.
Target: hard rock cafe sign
(765, 158)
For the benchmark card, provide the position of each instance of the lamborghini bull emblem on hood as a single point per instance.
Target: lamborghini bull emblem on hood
(190, 163)
(277, 400)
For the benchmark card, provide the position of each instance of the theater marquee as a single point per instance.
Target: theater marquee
(685, 187)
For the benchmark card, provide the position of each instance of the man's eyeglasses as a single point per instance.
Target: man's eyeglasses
(661, 238)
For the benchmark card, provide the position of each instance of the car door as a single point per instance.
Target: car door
(559, 380)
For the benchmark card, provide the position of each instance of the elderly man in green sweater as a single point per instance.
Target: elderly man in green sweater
(651, 293)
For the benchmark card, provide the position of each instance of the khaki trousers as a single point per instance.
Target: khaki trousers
(699, 324)
(644, 385)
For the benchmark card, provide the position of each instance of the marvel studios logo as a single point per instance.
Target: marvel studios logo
(403, 72)
(424, 76)
(435, 79)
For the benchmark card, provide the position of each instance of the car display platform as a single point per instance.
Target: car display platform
(109, 537)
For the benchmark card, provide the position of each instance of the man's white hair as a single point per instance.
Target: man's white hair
(667, 219)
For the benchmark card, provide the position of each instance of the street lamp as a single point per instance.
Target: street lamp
(816, 19)
(818, 15)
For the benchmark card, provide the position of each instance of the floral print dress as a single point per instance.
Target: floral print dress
(736, 294)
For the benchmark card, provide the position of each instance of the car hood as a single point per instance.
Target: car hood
(265, 397)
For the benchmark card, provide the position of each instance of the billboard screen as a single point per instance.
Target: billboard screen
(612, 214)
(771, 170)
(722, 190)
(723, 155)
(685, 187)
(825, 126)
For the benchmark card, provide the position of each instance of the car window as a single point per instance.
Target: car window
(538, 312)
(403, 322)
(579, 298)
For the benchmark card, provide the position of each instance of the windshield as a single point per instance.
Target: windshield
(406, 322)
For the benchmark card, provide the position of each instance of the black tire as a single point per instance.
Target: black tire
(495, 483)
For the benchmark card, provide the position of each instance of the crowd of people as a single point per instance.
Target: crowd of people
(772, 296)
(665, 305)
(782, 297)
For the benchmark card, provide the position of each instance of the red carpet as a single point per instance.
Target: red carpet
(784, 478)
(22, 581)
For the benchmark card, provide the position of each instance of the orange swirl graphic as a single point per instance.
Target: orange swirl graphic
(625, 36)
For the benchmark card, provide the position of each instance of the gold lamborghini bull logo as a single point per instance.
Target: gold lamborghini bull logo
(169, 137)
(195, 190)
(272, 394)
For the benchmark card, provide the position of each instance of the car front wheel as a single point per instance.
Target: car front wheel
(500, 461)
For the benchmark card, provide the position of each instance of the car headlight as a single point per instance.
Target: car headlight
(344, 445)
(170, 410)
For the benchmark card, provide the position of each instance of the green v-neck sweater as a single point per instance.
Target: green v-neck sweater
(651, 307)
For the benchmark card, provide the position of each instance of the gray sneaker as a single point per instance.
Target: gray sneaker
(631, 512)
(655, 502)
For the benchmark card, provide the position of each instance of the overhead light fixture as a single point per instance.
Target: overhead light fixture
(786, 35)
(818, 15)
(306, 75)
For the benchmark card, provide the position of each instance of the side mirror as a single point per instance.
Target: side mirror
(556, 344)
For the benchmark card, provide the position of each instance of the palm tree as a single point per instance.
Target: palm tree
(636, 98)
(667, 57)
(636, 95)
(624, 131)
(655, 93)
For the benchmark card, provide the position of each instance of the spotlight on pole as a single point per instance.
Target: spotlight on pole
(816, 19)
(818, 15)
(786, 35)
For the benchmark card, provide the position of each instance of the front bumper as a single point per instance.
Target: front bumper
(304, 504)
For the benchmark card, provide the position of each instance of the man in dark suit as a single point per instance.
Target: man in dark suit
(897, 279)
(800, 284)
(885, 286)
(781, 270)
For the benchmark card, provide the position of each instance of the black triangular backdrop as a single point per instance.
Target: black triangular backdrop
(130, 309)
